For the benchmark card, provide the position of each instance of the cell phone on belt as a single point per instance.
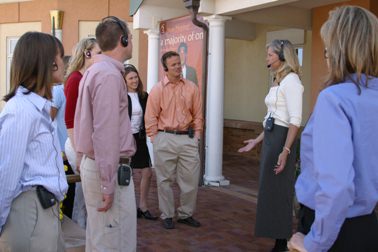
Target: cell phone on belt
(191, 132)
(46, 198)
(124, 175)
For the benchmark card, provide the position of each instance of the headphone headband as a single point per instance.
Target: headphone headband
(281, 55)
(124, 37)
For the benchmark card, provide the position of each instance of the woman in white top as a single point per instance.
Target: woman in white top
(141, 161)
(278, 156)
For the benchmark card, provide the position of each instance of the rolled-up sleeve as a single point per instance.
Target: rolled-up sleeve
(197, 112)
(153, 110)
(292, 90)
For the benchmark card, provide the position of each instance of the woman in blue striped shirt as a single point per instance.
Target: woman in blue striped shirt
(32, 178)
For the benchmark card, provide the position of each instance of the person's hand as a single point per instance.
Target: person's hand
(281, 162)
(251, 143)
(77, 168)
(79, 157)
(107, 200)
(296, 243)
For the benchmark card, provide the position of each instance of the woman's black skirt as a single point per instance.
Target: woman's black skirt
(357, 234)
(276, 192)
(141, 159)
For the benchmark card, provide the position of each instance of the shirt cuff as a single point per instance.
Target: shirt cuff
(312, 246)
(295, 121)
(107, 188)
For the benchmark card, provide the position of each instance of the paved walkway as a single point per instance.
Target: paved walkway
(227, 215)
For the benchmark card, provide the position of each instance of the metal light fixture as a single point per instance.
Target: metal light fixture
(57, 23)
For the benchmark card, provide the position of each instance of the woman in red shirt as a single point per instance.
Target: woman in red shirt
(82, 58)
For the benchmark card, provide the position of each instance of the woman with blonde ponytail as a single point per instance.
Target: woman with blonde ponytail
(81, 59)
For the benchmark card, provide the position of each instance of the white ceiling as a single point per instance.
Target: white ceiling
(289, 13)
(309, 4)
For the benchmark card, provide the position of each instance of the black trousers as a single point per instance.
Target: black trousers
(357, 234)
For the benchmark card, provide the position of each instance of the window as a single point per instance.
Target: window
(11, 44)
(299, 51)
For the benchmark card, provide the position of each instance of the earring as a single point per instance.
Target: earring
(54, 67)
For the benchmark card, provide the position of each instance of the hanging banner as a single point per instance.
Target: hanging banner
(182, 36)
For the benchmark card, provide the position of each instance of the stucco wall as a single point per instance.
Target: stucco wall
(247, 77)
(319, 16)
(6, 31)
(79, 21)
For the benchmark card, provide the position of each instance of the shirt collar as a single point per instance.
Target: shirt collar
(372, 81)
(38, 101)
(116, 63)
(166, 80)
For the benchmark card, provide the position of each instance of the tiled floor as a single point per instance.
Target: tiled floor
(227, 215)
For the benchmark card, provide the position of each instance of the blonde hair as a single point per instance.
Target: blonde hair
(288, 58)
(77, 59)
(350, 36)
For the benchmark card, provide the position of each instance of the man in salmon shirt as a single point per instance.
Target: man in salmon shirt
(174, 122)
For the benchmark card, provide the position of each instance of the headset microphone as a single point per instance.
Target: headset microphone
(269, 65)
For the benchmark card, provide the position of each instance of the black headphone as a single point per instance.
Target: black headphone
(124, 37)
(88, 54)
(164, 65)
(281, 55)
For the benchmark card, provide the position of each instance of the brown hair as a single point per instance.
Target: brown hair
(131, 68)
(33, 63)
(166, 56)
(350, 36)
(109, 31)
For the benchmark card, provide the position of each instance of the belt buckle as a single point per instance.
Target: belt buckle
(124, 160)
(175, 132)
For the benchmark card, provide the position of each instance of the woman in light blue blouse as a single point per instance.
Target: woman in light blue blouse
(338, 186)
(32, 178)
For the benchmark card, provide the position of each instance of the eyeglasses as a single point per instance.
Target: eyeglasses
(325, 53)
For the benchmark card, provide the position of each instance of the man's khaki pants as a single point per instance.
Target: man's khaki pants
(176, 159)
(31, 228)
(115, 229)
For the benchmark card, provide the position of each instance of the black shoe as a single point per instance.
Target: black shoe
(146, 214)
(168, 223)
(190, 222)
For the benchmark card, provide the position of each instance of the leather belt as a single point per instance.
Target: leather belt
(122, 160)
(175, 132)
